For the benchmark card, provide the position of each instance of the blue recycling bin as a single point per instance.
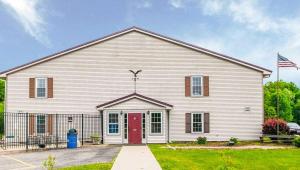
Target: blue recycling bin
(72, 139)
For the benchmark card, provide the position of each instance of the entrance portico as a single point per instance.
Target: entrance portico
(135, 119)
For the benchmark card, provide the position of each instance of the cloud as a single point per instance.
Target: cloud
(143, 4)
(260, 35)
(27, 13)
(176, 3)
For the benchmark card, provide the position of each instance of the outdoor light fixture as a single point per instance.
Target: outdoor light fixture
(121, 113)
(148, 112)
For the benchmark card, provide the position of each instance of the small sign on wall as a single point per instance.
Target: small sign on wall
(70, 119)
(247, 109)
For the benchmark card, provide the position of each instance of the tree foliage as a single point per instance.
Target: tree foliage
(2, 90)
(289, 101)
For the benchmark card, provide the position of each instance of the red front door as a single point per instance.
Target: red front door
(134, 128)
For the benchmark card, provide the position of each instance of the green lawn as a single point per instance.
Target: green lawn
(97, 166)
(277, 159)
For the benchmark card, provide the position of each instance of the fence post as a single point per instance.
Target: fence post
(82, 130)
(27, 139)
(56, 129)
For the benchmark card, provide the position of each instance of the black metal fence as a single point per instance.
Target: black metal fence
(34, 131)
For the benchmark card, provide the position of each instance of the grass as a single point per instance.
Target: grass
(195, 159)
(96, 166)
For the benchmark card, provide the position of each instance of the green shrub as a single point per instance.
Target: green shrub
(201, 140)
(233, 141)
(49, 163)
(297, 141)
(266, 139)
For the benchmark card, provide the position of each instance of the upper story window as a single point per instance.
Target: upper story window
(41, 87)
(197, 86)
(197, 122)
(156, 122)
(41, 124)
(113, 123)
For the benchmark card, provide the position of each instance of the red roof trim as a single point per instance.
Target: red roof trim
(119, 33)
(134, 95)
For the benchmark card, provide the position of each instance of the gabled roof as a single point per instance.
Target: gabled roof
(265, 71)
(134, 96)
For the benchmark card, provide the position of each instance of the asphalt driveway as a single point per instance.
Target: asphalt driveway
(64, 157)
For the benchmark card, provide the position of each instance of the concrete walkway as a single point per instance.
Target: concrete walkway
(136, 158)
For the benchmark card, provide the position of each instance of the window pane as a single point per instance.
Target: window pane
(41, 124)
(156, 122)
(197, 122)
(125, 126)
(41, 92)
(41, 83)
(113, 126)
(196, 86)
(144, 126)
(41, 87)
(113, 118)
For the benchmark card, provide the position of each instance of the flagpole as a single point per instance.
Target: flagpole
(277, 91)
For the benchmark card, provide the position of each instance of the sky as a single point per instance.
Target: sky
(250, 30)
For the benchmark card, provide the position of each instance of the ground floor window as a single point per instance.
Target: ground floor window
(40, 124)
(156, 122)
(197, 122)
(113, 123)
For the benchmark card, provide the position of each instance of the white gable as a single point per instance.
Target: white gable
(135, 104)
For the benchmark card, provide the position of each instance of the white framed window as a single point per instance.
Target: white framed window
(41, 87)
(197, 122)
(113, 123)
(197, 86)
(41, 124)
(156, 122)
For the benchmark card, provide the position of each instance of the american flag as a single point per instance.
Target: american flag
(284, 62)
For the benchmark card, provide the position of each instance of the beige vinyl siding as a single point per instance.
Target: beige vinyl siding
(97, 74)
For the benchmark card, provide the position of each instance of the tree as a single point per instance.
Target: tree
(289, 101)
(297, 111)
(2, 90)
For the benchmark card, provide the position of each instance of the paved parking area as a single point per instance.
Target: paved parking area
(64, 157)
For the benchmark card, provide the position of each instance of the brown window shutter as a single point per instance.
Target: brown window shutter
(31, 87)
(206, 122)
(31, 124)
(49, 125)
(187, 122)
(187, 86)
(50, 87)
(206, 86)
